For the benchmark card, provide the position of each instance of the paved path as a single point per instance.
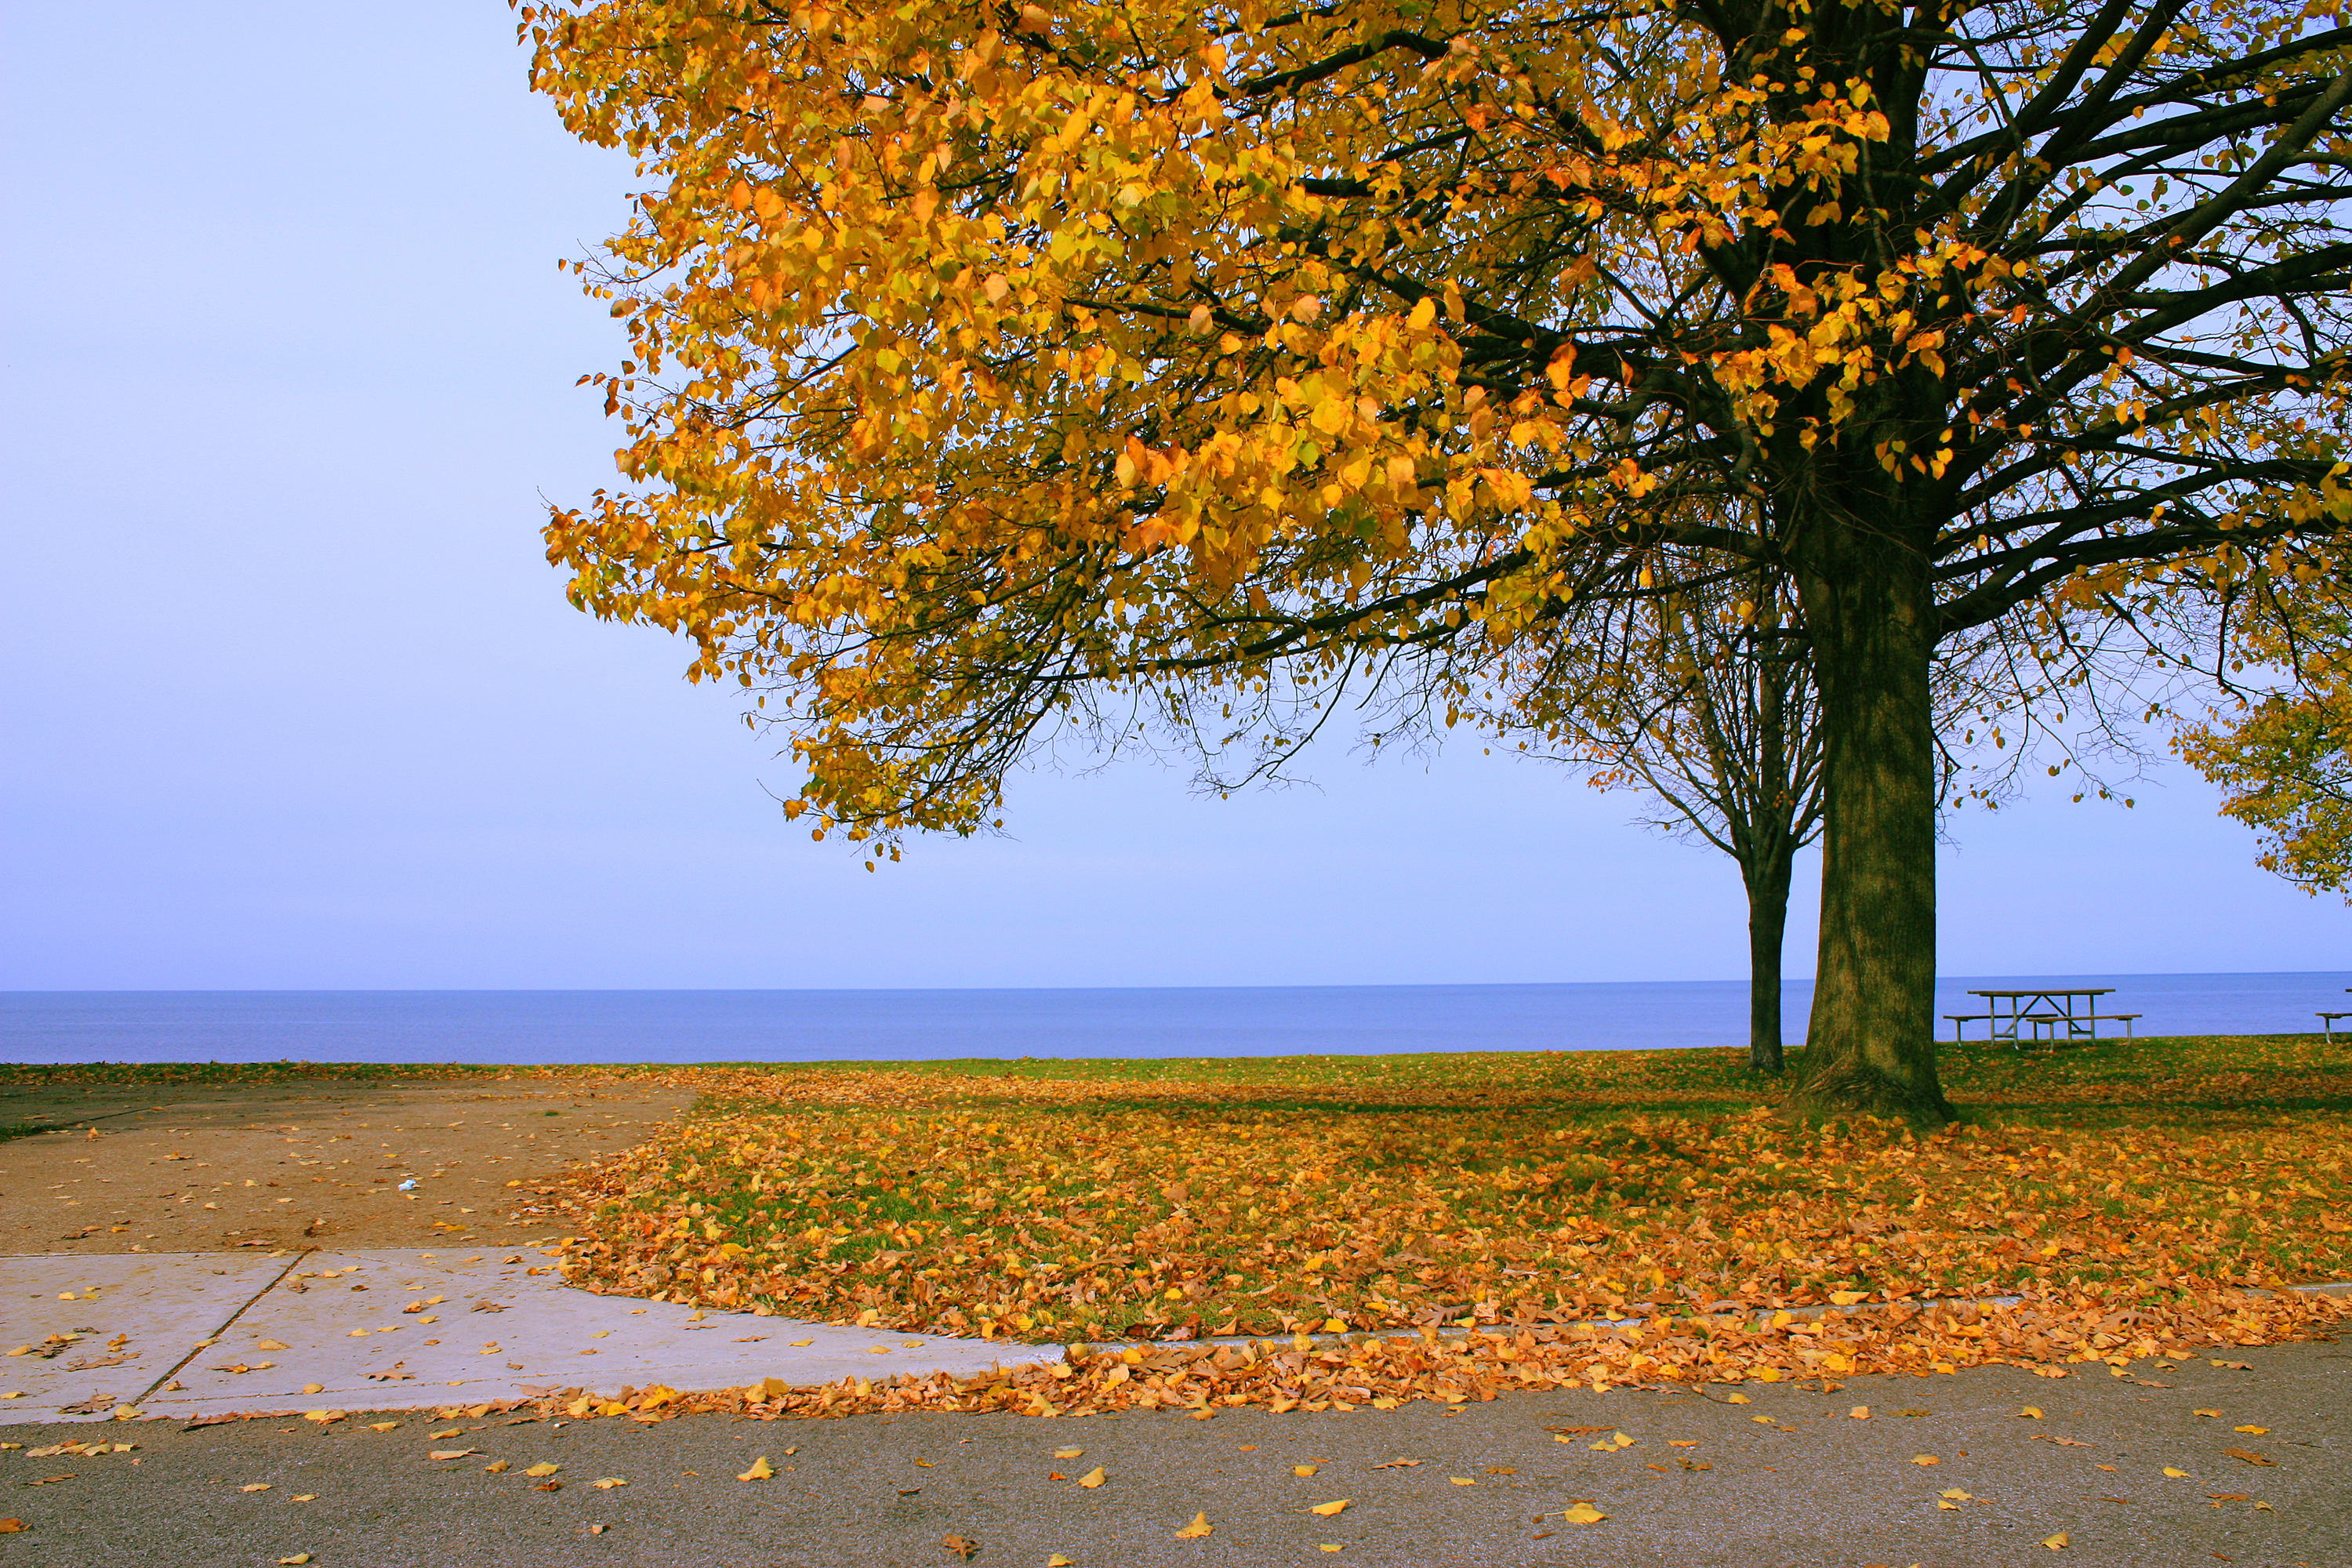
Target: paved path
(1790, 1479)
(188, 1335)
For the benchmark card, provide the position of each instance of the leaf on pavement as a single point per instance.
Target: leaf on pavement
(2056, 1542)
(1337, 1505)
(254, 1487)
(761, 1470)
(2175, 1475)
(961, 1546)
(2030, 1412)
(459, 1454)
(1583, 1513)
(2248, 1455)
(544, 1467)
(608, 1483)
(2257, 1431)
(1092, 1479)
(1197, 1529)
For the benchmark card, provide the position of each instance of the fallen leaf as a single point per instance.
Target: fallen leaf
(1397, 1465)
(608, 1483)
(382, 1426)
(2248, 1455)
(2205, 1413)
(1734, 1399)
(2257, 1431)
(963, 1547)
(495, 1467)
(271, 1345)
(2030, 1412)
(2054, 1541)
(296, 1560)
(1069, 1453)
(12, 1526)
(547, 1468)
(1583, 1513)
(1859, 1413)
(1304, 1469)
(798, 1344)
(761, 1470)
(438, 1453)
(1461, 1481)
(1197, 1529)
(2175, 1475)
(314, 1388)
(1957, 1495)
(1092, 1479)
(1925, 1459)
(254, 1487)
(1058, 1560)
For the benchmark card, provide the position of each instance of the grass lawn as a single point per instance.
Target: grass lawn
(1095, 1201)
(1475, 1214)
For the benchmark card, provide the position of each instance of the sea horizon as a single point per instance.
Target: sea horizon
(615, 1025)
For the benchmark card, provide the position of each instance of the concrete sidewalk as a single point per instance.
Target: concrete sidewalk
(185, 1335)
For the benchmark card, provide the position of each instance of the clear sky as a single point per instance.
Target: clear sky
(289, 696)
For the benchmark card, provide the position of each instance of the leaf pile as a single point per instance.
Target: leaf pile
(1091, 1207)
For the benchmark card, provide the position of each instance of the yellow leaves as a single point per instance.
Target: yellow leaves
(1330, 1510)
(1197, 1529)
(1925, 1459)
(254, 1487)
(294, 1559)
(761, 1470)
(2030, 1412)
(1582, 1513)
(1859, 1413)
(2257, 1431)
(445, 1454)
(2056, 1542)
(1093, 1478)
(2176, 1474)
(542, 1470)
(1848, 1297)
(608, 1483)
(1304, 1470)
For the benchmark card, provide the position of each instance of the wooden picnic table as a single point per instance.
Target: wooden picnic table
(2045, 1010)
(2327, 1020)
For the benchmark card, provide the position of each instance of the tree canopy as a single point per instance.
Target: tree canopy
(997, 369)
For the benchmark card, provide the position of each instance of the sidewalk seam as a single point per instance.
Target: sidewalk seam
(214, 1338)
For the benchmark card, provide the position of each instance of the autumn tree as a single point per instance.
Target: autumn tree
(2281, 748)
(1702, 699)
(1000, 374)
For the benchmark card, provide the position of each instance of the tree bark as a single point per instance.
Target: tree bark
(1767, 924)
(1869, 609)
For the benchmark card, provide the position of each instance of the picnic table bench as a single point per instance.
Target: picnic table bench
(2327, 1020)
(2045, 1012)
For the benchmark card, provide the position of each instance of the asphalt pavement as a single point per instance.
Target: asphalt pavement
(2238, 1456)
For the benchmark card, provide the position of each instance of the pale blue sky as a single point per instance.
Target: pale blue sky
(290, 697)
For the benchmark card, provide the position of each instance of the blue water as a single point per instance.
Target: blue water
(833, 1025)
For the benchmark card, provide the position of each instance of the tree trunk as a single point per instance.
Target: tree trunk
(1868, 608)
(1768, 922)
